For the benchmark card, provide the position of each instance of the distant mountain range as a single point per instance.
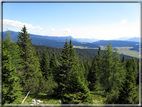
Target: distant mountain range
(56, 38)
(90, 40)
(117, 43)
(52, 41)
(134, 39)
(55, 41)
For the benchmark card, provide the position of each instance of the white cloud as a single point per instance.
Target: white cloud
(52, 29)
(67, 30)
(123, 21)
(98, 32)
(12, 23)
(101, 32)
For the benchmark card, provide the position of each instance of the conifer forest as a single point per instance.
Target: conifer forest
(63, 77)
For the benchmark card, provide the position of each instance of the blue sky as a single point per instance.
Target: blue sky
(79, 20)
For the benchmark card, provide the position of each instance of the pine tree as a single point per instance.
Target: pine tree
(127, 85)
(99, 70)
(107, 68)
(113, 72)
(92, 75)
(31, 70)
(13, 48)
(118, 72)
(133, 63)
(87, 66)
(11, 83)
(82, 73)
(54, 66)
(73, 91)
(63, 69)
(44, 65)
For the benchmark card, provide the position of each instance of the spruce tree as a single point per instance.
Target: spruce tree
(73, 91)
(87, 66)
(118, 72)
(11, 90)
(107, 68)
(82, 73)
(112, 70)
(44, 65)
(92, 78)
(13, 48)
(99, 70)
(31, 70)
(127, 85)
(63, 69)
(133, 63)
(54, 66)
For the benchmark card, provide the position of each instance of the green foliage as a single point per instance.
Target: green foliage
(69, 78)
(13, 48)
(92, 78)
(127, 85)
(133, 63)
(81, 70)
(107, 68)
(11, 86)
(72, 89)
(76, 91)
(44, 65)
(31, 71)
(54, 66)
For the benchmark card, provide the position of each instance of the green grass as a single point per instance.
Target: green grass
(127, 51)
(47, 99)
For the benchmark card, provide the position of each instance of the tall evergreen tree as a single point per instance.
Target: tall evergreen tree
(31, 70)
(13, 48)
(107, 67)
(133, 63)
(82, 73)
(87, 66)
(117, 71)
(112, 70)
(54, 66)
(99, 69)
(73, 91)
(63, 69)
(44, 65)
(11, 83)
(127, 85)
(92, 78)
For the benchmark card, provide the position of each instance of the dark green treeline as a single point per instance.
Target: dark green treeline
(67, 76)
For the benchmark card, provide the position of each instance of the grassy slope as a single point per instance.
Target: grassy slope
(120, 50)
(47, 99)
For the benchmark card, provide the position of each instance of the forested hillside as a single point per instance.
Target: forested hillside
(83, 54)
(66, 75)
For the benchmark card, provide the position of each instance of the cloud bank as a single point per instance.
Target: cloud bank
(13, 23)
(123, 21)
(106, 32)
